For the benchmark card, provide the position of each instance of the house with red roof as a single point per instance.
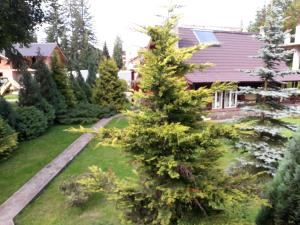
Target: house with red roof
(10, 76)
(231, 52)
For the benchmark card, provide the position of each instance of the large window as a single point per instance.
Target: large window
(218, 100)
(225, 99)
(230, 99)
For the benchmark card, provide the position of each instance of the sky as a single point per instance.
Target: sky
(123, 17)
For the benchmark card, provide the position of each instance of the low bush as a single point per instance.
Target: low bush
(7, 112)
(31, 122)
(78, 190)
(85, 113)
(8, 139)
(47, 109)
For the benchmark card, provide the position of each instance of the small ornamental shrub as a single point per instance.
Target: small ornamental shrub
(8, 139)
(85, 113)
(78, 190)
(31, 122)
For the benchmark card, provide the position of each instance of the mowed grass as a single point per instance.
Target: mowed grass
(51, 208)
(30, 157)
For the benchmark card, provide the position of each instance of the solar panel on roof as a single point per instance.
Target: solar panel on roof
(206, 37)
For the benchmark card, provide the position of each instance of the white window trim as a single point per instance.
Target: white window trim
(215, 98)
(231, 93)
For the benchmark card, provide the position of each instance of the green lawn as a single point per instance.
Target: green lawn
(30, 157)
(50, 208)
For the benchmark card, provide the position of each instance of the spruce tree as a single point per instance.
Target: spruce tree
(283, 192)
(30, 95)
(267, 143)
(62, 81)
(92, 75)
(105, 52)
(79, 93)
(48, 87)
(83, 85)
(174, 151)
(108, 90)
(118, 52)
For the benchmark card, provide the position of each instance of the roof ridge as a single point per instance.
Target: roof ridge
(216, 30)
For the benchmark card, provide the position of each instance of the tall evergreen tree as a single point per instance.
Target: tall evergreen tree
(30, 95)
(292, 12)
(176, 153)
(48, 87)
(118, 52)
(108, 90)
(105, 51)
(92, 75)
(79, 93)
(284, 191)
(54, 17)
(62, 81)
(267, 143)
(83, 85)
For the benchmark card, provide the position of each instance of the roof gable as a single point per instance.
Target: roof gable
(33, 49)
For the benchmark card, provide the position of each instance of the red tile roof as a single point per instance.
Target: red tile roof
(235, 53)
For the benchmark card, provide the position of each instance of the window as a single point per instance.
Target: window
(230, 99)
(206, 37)
(218, 100)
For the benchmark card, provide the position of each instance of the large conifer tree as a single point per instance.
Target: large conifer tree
(118, 52)
(62, 80)
(284, 191)
(108, 90)
(267, 142)
(175, 152)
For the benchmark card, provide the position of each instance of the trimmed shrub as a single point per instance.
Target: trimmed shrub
(7, 112)
(31, 122)
(8, 139)
(85, 113)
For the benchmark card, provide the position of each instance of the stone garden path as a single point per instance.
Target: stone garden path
(20, 199)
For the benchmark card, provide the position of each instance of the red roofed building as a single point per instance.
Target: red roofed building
(9, 76)
(231, 53)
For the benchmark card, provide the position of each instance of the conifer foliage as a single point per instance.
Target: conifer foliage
(284, 191)
(266, 144)
(175, 153)
(108, 90)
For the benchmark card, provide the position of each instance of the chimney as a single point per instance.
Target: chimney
(296, 57)
(262, 31)
(297, 34)
(287, 39)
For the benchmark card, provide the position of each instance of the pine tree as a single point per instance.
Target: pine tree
(118, 52)
(108, 90)
(105, 51)
(48, 87)
(30, 95)
(267, 142)
(292, 12)
(284, 191)
(176, 153)
(62, 81)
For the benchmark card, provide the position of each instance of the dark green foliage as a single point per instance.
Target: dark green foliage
(108, 90)
(118, 52)
(78, 91)
(7, 112)
(92, 75)
(63, 82)
(85, 113)
(30, 95)
(18, 19)
(284, 191)
(84, 86)
(8, 139)
(48, 88)
(105, 52)
(31, 122)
